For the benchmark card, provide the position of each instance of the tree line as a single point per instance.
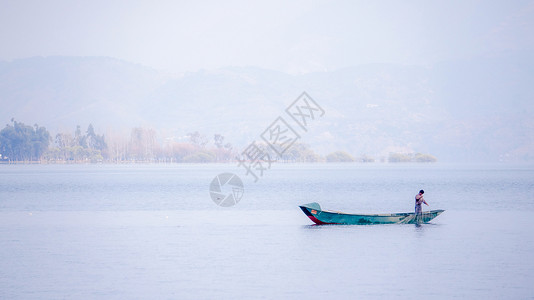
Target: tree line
(23, 143)
(78, 147)
(20, 142)
(394, 157)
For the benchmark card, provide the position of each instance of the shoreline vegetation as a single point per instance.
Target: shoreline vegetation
(23, 144)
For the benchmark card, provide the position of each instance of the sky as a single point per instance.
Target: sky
(290, 36)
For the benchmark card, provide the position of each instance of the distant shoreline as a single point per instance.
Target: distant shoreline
(197, 163)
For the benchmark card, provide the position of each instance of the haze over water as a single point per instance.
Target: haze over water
(152, 231)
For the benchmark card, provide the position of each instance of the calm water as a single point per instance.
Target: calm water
(151, 231)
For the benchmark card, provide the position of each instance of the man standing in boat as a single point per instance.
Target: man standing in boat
(419, 200)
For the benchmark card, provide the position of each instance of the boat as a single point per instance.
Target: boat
(321, 217)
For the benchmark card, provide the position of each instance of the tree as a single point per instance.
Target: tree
(178, 151)
(399, 157)
(198, 139)
(80, 148)
(40, 141)
(117, 147)
(339, 156)
(95, 141)
(63, 142)
(79, 139)
(20, 142)
(143, 144)
(218, 140)
(421, 157)
(410, 157)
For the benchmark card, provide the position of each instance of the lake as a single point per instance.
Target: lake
(152, 231)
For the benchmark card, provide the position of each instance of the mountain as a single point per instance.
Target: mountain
(63, 91)
(472, 110)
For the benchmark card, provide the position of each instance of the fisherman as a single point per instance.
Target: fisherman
(419, 200)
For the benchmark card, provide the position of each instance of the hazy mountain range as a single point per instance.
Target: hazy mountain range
(472, 110)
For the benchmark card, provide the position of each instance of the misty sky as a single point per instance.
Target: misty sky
(296, 37)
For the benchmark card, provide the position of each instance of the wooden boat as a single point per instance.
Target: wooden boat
(320, 217)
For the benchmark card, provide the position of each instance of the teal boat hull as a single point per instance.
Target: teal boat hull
(321, 217)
